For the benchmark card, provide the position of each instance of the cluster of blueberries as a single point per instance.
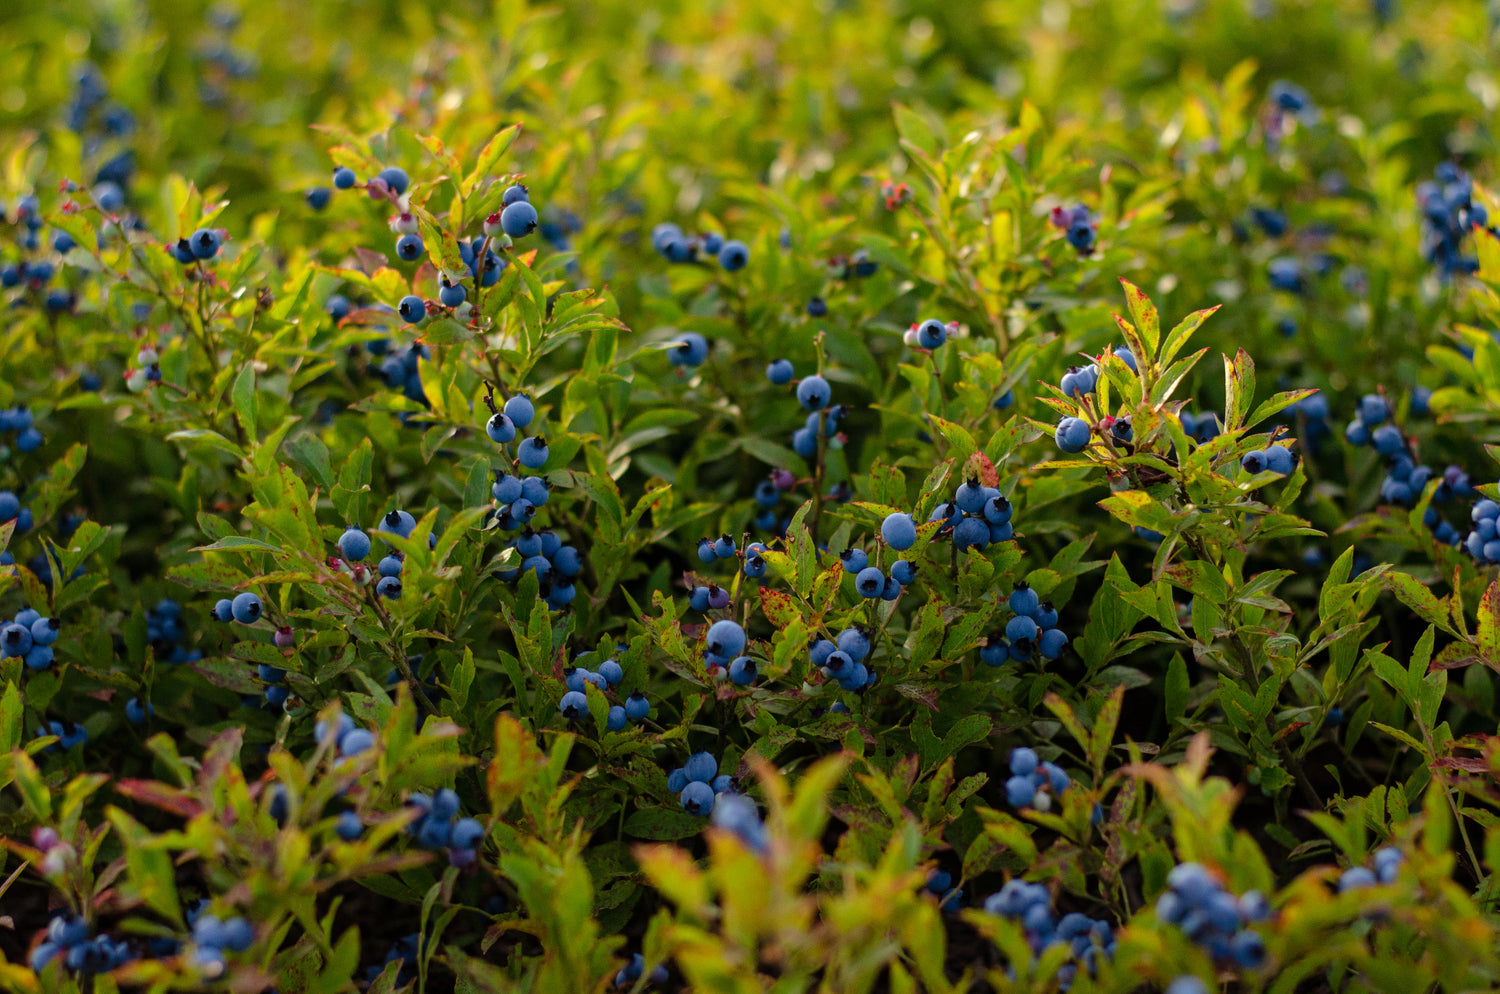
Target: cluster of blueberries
(201, 246)
(69, 734)
(1079, 225)
(940, 885)
(68, 938)
(405, 951)
(1449, 213)
(1405, 481)
(1033, 631)
(1216, 920)
(843, 660)
(574, 705)
(672, 244)
(354, 546)
(1387, 862)
(556, 565)
(212, 938)
(1031, 905)
(632, 971)
(244, 608)
(976, 516)
(768, 494)
(19, 422)
(1033, 782)
(29, 637)
(435, 827)
(401, 370)
(11, 510)
(165, 631)
(1073, 434)
(1271, 459)
(697, 782)
(503, 427)
(1311, 414)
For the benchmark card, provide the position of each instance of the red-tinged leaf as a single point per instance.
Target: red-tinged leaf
(369, 260)
(160, 795)
(979, 465)
(921, 693)
(779, 608)
(1290, 729)
(1487, 641)
(1475, 764)
(1147, 322)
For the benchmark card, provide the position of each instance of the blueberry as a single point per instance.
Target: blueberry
(343, 178)
(1356, 878)
(246, 608)
(676, 780)
(697, 798)
(1388, 441)
(899, 531)
(501, 429)
(995, 652)
(1373, 410)
(394, 177)
(854, 560)
(1020, 627)
(532, 452)
(691, 351)
(409, 248)
(742, 671)
(515, 193)
(734, 255)
(520, 410)
(1357, 433)
(1051, 643)
(780, 372)
(15, 640)
(354, 544)
(870, 582)
(1072, 435)
(1019, 791)
(349, 827)
(136, 713)
(355, 742)
(38, 658)
(615, 720)
(1254, 461)
(223, 610)
(813, 393)
(1279, 459)
(971, 533)
(726, 638)
(931, 333)
(412, 309)
(518, 220)
(318, 197)
(903, 572)
(724, 547)
(1187, 985)
(612, 672)
(701, 766)
(389, 587)
(452, 294)
(205, 243)
(637, 707)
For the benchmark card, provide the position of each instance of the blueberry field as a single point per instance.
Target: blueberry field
(855, 497)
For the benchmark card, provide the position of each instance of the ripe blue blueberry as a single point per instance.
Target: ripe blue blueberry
(780, 372)
(1045, 615)
(971, 533)
(452, 294)
(246, 608)
(726, 638)
(742, 671)
(817, 307)
(39, 657)
(615, 720)
(318, 197)
(354, 544)
(612, 672)
(1020, 627)
(136, 713)
(518, 220)
(805, 443)
(44, 631)
(409, 248)
(701, 766)
(515, 193)
(1279, 459)
(1019, 791)
(755, 566)
(520, 410)
(1388, 441)
(820, 650)
(1023, 600)
(892, 589)
(349, 827)
(412, 309)
(501, 429)
(854, 643)
(637, 707)
(931, 333)
(394, 177)
(343, 178)
(899, 531)
(532, 452)
(223, 610)
(724, 547)
(697, 798)
(853, 560)
(356, 741)
(1051, 643)
(813, 393)
(903, 572)
(10, 505)
(205, 243)
(15, 640)
(691, 351)
(734, 255)
(397, 522)
(389, 587)
(870, 582)
(1072, 435)
(1373, 410)
(574, 705)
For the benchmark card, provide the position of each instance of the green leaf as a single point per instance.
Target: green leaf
(246, 405)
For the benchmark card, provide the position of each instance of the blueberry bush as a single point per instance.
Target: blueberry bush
(738, 497)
